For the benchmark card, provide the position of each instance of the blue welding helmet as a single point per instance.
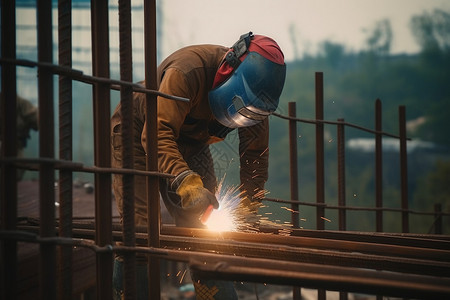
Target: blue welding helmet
(253, 83)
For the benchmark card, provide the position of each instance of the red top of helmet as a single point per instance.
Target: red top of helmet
(260, 44)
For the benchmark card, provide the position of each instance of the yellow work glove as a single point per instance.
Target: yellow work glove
(195, 198)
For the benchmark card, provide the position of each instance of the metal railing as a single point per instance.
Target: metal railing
(325, 260)
(342, 208)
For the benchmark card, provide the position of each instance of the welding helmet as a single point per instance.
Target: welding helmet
(248, 84)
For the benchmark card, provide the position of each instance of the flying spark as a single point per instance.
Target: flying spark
(224, 218)
(232, 217)
(323, 218)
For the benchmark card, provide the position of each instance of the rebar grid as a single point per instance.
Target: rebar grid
(415, 266)
(412, 265)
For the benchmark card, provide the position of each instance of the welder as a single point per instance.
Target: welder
(228, 88)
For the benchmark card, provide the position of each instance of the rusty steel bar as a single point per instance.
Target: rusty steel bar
(102, 151)
(47, 261)
(408, 250)
(8, 190)
(279, 271)
(293, 162)
(378, 168)
(438, 218)
(327, 206)
(153, 209)
(403, 168)
(79, 76)
(76, 167)
(126, 106)
(320, 165)
(65, 266)
(321, 276)
(310, 121)
(427, 241)
(341, 175)
(388, 256)
(331, 257)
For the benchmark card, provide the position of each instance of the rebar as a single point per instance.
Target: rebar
(79, 76)
(378, 167)
(153, 209)
(8, 196)
(320, 164)
(403, 167)
(65, 270)
(47, 262)
(127, 133)
(275, 259)
(102, 150)
(341, 175)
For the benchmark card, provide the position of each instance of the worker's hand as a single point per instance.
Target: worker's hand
(195, 198)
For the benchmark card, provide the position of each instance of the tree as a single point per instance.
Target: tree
(432, 31)
(379, 38)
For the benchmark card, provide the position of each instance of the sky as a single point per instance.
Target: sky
(341, 21)
(299, 26)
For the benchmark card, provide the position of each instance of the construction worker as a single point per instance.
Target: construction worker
(227, 88)
(27, 120)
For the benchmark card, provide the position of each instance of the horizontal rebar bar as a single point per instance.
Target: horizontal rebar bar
(61, 164)
(275, 270)
(80, 76)
(311, 121)
(328, 206)
(414, 256)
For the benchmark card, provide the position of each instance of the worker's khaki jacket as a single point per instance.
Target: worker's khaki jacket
(186, 129)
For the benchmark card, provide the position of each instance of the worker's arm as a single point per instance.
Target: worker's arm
(195, 198)
(171, 115)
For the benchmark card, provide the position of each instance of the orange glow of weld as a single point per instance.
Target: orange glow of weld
(224, 218)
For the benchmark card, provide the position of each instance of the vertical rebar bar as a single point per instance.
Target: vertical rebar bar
(438, 218)
(320, 173)
(126, 105)
(341, 174)
(8, 190)
(65, 148)
(378, 171)
(378, 168)
(47, 262)
(153, 209)
(102, 150)
(341, 183)
(320, 164)
(403, 169)
(293, 162)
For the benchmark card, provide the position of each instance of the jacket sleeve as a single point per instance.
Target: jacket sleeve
(171, 115)
(254, 159)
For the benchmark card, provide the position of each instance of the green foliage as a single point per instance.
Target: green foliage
(352, 83)
(434, 187)
(432, 30)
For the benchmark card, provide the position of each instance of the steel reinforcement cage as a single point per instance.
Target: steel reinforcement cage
(404, 265)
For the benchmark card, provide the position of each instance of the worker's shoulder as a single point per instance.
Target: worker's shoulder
(201, 48)
(194, 56)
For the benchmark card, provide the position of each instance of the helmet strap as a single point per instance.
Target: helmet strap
(239, 49)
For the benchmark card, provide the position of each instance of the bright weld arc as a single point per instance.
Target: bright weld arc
(224, 218)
